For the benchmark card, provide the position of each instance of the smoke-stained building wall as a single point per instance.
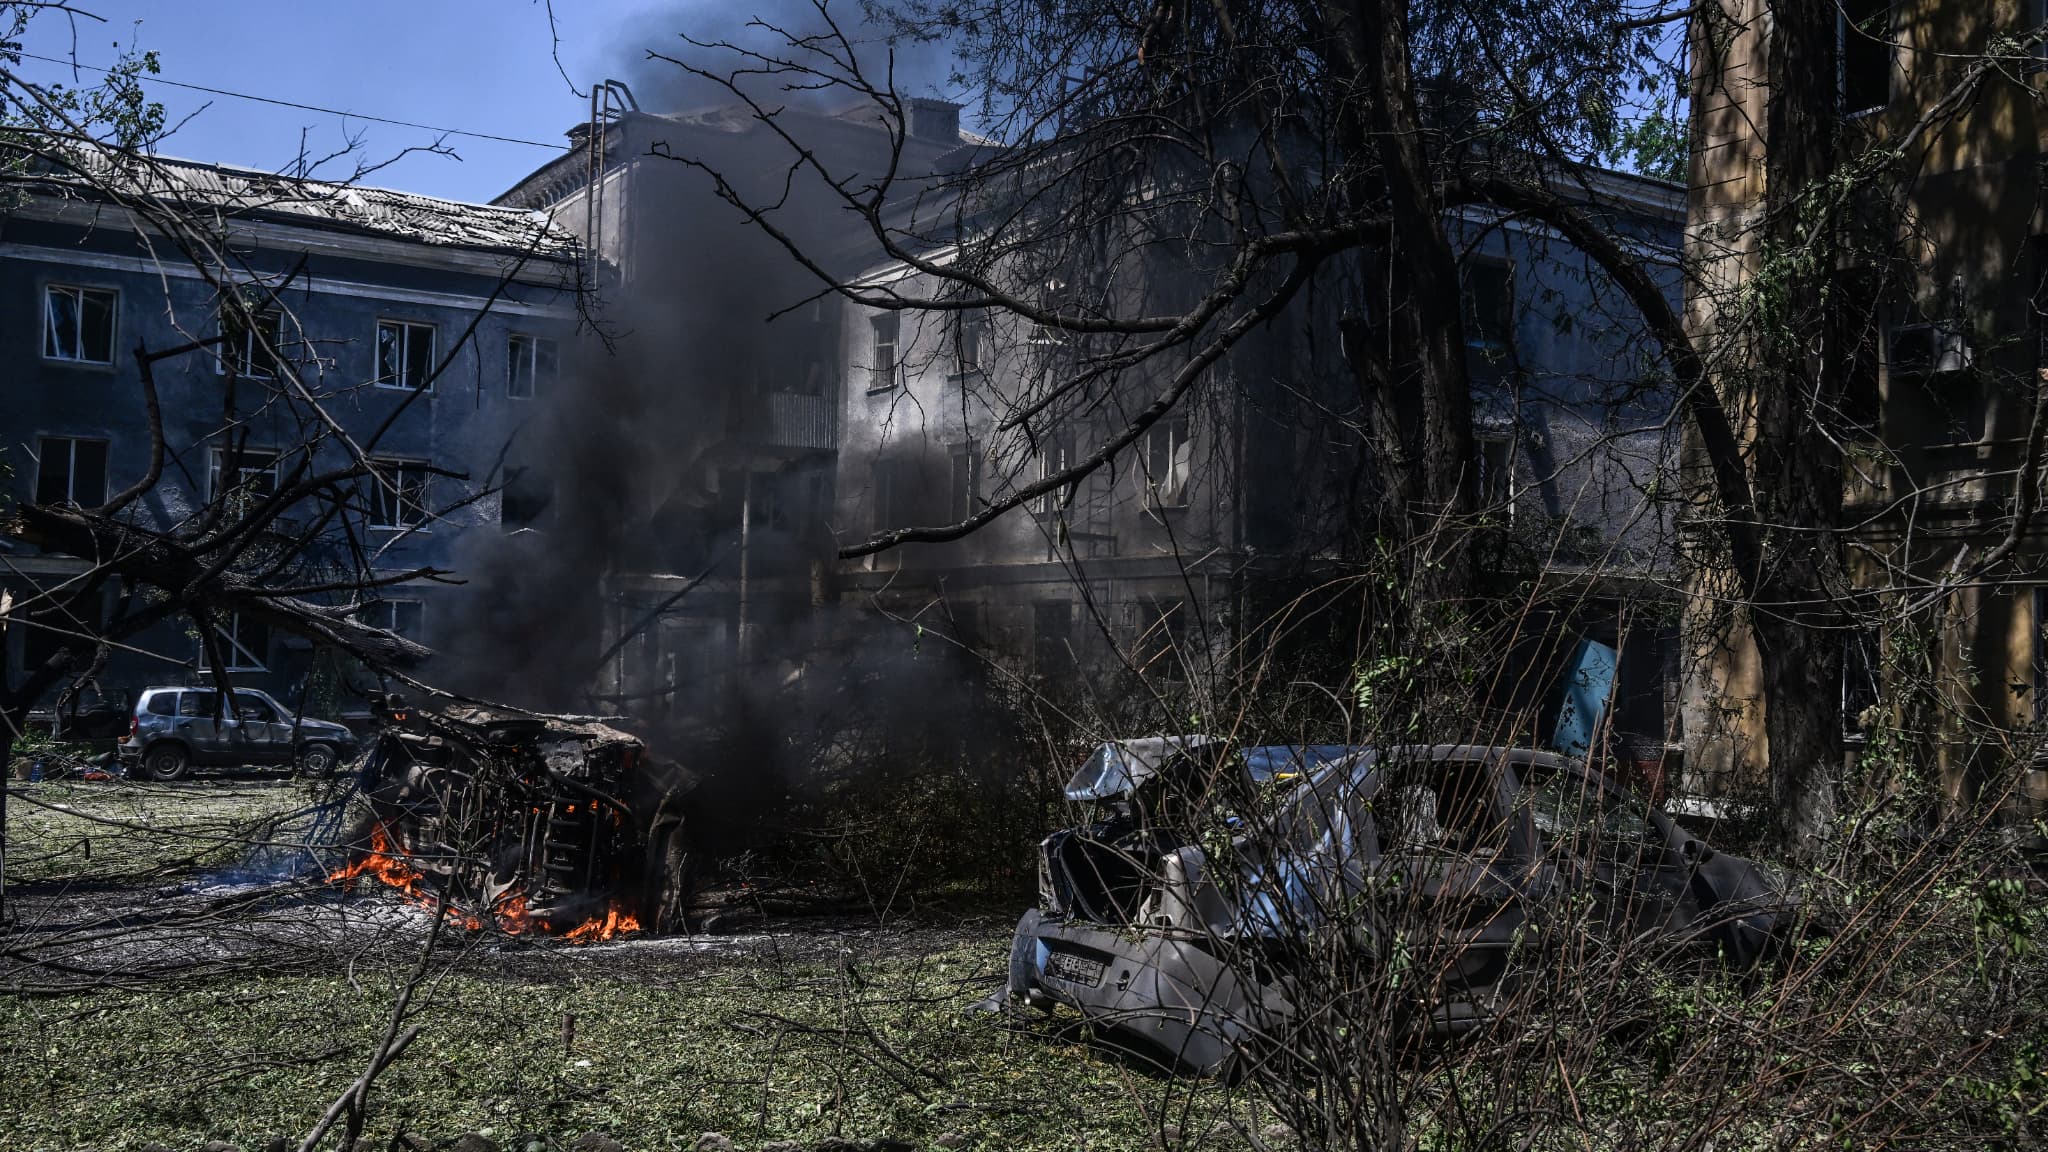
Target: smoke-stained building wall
(1181, 556)
(705, 455)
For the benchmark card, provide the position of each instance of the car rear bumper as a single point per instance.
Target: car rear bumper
(1159, 995)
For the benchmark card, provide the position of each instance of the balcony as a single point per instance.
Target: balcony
(792, 420)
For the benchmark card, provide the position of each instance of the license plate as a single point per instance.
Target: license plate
(1075, 969)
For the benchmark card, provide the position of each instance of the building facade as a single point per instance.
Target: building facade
(1242, 512)
(423, 330)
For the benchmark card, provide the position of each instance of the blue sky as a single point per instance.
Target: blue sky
(480, 65)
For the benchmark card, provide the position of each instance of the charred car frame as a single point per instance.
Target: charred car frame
(1174, 919)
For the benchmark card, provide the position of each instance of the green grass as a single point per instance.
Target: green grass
(127, 831)
(665, 1049)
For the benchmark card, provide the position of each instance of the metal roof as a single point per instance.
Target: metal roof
(247, 193)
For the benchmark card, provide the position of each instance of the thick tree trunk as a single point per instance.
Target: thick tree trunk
(1796, 372)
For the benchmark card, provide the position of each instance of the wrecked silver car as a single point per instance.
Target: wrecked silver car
(1174, 933)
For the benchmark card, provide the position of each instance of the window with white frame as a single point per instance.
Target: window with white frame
(2036, 12)
(1489, 297)
(1055, 455)
(71, 471)
(400, 616)
(964, 492)
(1168, 462)
(1861, 688)
(253, 342)
(405, 354)
(78, 324)
(885, 333)
(1864, 45)
(398, 494)
(972, 340)
(533, 363)
(255, 473)
(244, 641)
(1052, 299)
(1496, 459)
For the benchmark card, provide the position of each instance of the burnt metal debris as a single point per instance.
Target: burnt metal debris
(532, 824)
(1172, 917)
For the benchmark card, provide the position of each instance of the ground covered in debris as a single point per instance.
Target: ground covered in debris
(163, 995)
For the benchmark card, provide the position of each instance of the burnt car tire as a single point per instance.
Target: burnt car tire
(166, 762)
(318, 760)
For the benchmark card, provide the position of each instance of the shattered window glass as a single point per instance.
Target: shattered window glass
(78, 324)
(398, 495)
(405, 354)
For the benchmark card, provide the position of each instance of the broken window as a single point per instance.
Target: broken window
(1429, 808)
(252, 342)
(1856, 320)
(964, 491)
(972, 335)
(71, 472)
(405, 354)
(1158, 642)
(246, 643)
(255, 474)
(398, 494)
(1495, 449)
(1489, 300)
(1168, 461)
(1052, 299)
(78, 324)
(532, 360)
(525, 497)
(1052, 623)
(883, 368)
(1860, 685)
(405, 618)
(1864, 29)
(1055, 455)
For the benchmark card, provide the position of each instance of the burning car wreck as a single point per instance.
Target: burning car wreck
(1180, 920)
(531, 824)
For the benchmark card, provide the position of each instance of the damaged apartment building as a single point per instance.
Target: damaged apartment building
(791, 423)
(1941, 409)
(724, 367)
(360, 293)
(1184, 556)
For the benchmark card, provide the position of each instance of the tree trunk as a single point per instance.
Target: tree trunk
(1797, 372)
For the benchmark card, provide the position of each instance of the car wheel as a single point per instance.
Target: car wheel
(166, 762)
(318, 760)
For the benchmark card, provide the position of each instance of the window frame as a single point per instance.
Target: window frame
(963, 488)
(231, 637)
(1055, 455)
(407, 328)
(532, 359)
(389, 484)
(1155, 493)
(243, 353)
(384, 612)
(970, 342)
(1475, 339)
(885, 374)
(216, 469)
(81, 291)
(71, 443)
(1844, 30)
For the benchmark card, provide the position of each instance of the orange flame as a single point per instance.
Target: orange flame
(385, 863)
